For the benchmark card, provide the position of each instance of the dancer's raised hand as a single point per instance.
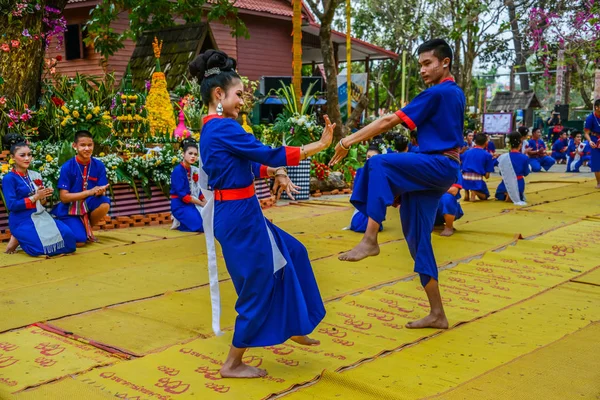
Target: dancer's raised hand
(327, 136)
(340, 153)
(283, 183)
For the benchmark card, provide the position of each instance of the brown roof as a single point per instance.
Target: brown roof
(511, 101)
(274, 7)
(277, 7)
(181, 44)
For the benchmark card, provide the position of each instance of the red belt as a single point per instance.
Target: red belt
(234, 194)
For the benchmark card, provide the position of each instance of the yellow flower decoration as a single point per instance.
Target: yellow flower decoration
(102, 154)
(5, 168)
(157, 47)
(41, 169)
(114, 167)
(76, 114)
(96, 110)
(11, 161)
(49, 158)
(88, 117)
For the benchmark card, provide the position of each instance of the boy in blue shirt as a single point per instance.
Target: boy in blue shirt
(82, 184)
(477, 164)
(418, 179)
(537, 153)
(591, 128)
(559, 148)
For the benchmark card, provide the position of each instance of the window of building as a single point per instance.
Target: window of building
(74, 46)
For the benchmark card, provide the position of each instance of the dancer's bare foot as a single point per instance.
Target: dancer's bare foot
(305, 340)
(598, 186)
(447, 232)
(11, 246)
(364, 249)
(242, 371)
(473, 196)
(430, 321)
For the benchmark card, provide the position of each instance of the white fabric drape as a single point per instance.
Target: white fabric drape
(510, 179)
(208, 213)
(44, 224)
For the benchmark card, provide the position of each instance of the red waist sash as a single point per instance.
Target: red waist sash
(234, 194)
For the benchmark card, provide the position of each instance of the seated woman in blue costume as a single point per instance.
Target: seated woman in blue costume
(514, 166)
(186, 197)
(31, 226)
(278, 296)
(359, 221)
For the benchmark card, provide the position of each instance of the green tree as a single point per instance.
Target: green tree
(21, 67)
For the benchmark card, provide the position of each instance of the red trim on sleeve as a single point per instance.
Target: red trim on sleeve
(456, 185)
(405, 118)
(29, 204)
(292, 156)
(186, 199)
(264, 172)
(201, 197)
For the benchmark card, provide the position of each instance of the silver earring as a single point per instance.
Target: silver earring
(219, 109)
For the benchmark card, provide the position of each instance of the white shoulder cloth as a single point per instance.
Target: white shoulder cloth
(510, 179)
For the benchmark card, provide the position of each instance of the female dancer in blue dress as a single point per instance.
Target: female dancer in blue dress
(514, 166)
(185, 201)
(278, 296)
(32, 227)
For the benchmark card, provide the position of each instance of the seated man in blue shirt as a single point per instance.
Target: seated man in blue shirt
(537, 153)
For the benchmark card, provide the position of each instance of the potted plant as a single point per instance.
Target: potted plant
(297, 127)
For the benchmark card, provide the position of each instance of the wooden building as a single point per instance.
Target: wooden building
(267, 52)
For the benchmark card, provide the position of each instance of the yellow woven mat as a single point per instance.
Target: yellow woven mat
(154, 325)
(362, 327)
(565, 369)
(32, 356)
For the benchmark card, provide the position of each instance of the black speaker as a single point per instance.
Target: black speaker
(563, 109)
(268, 83)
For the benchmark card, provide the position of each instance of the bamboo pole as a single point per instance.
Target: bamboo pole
(349, 56)
(297, 50)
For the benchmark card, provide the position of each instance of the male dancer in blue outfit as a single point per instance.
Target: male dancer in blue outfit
(418, 179)
(592, 133)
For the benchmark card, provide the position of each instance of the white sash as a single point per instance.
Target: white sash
(510, 179)
(208, 214)
(44, 224)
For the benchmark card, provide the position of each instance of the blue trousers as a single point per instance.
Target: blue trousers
(557, 155)
(501, 190)
(420, 180)
(76, 224)
(537, 164)
(578, 164)
(448, 205)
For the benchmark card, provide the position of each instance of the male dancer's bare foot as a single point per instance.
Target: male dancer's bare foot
(364, 249)
(242, 370)
(598, 186)
(472, 196)
(447, 232)
(305, 340)
(11, 246)
(430, 321)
